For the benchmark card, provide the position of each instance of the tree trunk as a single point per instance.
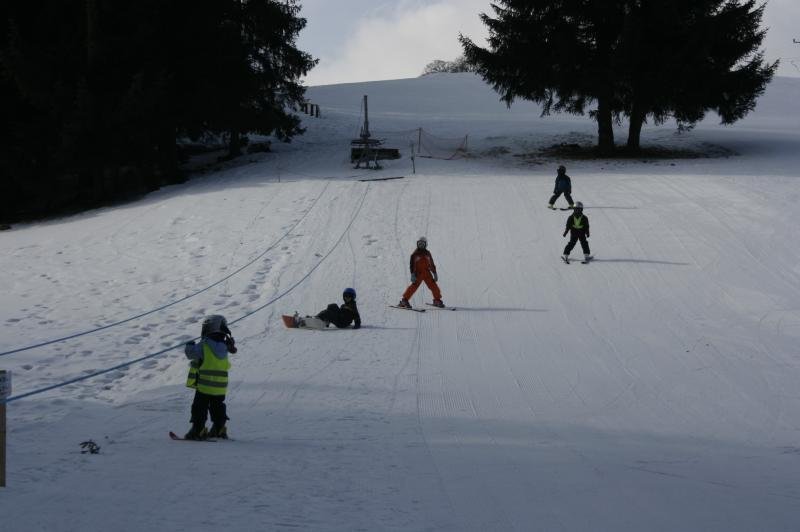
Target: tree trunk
(635, 128)
(605, 127)
(235, 144)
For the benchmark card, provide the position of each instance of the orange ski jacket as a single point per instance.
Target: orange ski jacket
(421, 262)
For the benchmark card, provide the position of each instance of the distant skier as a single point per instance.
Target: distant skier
(578, 228)
(343, 316)
(422, 269)
(208, 375)
(563, 186)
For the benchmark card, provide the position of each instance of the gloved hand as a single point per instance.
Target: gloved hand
(565, 234)
(230, 343)
(587, 235)
(413, 277)
(435, 277)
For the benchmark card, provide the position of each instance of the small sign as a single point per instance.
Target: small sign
(5, 383)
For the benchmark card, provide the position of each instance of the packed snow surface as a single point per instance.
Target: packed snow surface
(654, 389)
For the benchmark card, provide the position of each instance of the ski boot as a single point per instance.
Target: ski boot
(404, 303)
(438, 303)
(197, 433)
(551, 206)
(218, 432)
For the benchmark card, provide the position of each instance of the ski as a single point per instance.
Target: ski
(565, 208)
(406, 308)
(440, 308)
(175, 437)
(565, 260)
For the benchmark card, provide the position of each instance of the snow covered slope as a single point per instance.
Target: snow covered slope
(654, 389)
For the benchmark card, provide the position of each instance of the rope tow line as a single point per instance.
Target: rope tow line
(161, 352)
(147, 313)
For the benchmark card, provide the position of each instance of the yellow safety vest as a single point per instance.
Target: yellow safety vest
(210, 377)
(577, 222)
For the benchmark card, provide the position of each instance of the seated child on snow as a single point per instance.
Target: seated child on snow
(343, 316)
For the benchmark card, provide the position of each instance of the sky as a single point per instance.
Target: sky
(361, 40)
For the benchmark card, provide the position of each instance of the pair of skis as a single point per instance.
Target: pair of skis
(584, 261)
(422, 309)
(175, 437)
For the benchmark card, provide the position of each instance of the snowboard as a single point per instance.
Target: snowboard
(309, 322)
(440, 308)
(406, 308)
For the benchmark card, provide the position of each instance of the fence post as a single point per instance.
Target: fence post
(5, 391)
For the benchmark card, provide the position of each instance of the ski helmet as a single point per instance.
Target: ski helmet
(349, 292)
(562, 169)
(578, 206)
(422, 242)
(215, 324)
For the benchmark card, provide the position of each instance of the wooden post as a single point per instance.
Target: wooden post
(5, 391)
(413, 162)
(3, 443)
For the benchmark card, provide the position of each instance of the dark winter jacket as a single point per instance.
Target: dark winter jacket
(577, 225)
(563, 184)
(349, 310)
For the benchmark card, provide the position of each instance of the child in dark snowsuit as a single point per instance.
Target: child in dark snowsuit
(208, 375)
(563, 186)
(343, 316)
(422, 269)
(578, 228)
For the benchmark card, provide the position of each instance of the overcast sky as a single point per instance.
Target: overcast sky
(364, 40)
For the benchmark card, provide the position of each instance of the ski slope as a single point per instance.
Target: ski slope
(655, 388)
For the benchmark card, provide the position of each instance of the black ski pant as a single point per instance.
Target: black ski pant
(204, 404)
(555, 196)
(333, 314)
(574, 236)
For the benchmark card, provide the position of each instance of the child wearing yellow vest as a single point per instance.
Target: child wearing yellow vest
(578, 228)
(208, 375)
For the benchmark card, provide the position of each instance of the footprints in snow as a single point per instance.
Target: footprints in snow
(368, 241)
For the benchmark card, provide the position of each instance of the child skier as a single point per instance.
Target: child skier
(578, 228)
(343, 316)
(422, 269)
(208, 375)
(563, 186)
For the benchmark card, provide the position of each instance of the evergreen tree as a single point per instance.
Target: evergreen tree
(681, 58)
(94, 94)
(256, 72)
(561, 54)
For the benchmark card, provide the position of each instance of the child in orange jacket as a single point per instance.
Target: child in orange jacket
(422, 269)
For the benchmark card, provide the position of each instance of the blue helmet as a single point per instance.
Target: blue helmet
(349, 292)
